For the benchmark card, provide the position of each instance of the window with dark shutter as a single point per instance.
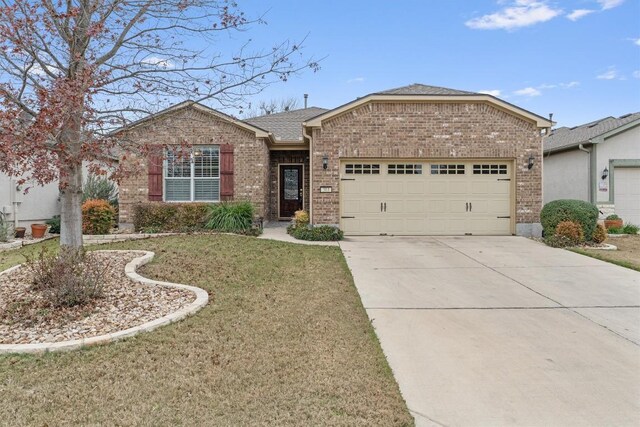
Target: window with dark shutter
(226, 172)
(154, 169)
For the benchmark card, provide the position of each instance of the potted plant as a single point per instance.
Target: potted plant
(19, 232)
(613, 221)
(38, 230)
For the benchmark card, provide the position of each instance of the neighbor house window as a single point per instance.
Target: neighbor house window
(192, 175)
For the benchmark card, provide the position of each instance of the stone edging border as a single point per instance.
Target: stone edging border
(202, 298)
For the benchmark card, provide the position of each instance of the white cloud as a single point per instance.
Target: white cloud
(609, 4)
(356, 80)
(636, 74)
(610, 74)
(579, 13)
(636, 41)
(528, 91)
(157, 62)
(570, 84)
(37, 70)
(521, 13)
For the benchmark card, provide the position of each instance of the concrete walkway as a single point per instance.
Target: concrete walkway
(490, 331)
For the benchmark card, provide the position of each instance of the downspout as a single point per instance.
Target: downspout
(306, 135)
(591, 170)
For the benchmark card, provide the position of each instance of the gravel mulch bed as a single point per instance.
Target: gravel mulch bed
(26, 318)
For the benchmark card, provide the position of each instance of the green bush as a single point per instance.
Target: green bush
(100, 188)
(615, 230)
(584, 213)
(320, 233)
(54, 224)
(630, 229)
(230, 217)
(612, 217)
(158, 217)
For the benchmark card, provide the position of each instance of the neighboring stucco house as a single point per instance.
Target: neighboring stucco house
(598, 162)
(38, 205)
(416, 160)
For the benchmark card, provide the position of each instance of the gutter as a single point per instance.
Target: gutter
(310, 137)
(592, 168)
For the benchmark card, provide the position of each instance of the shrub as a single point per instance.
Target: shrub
(230, 217)
(556, 241)
(54, 224)
(615, 230)
(613, 217)
(301, 218)
(320, 233)
(97, 217)
(630, 229)
(157, 217)
(6, 230)
(571, 230)
(584, 213)
(67, 279)
(600, 234)
(100, 188)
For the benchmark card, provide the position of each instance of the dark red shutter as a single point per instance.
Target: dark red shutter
(155, 173)
(226, 172)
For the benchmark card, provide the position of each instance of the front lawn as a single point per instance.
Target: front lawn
(283, 341)
(627, 255)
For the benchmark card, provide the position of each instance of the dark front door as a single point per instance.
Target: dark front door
(291, 192)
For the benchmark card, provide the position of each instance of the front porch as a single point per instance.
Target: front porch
(288, 183)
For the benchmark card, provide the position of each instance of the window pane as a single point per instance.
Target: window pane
(207, 190)
(206, 162)
(178, 164)
(177, 190)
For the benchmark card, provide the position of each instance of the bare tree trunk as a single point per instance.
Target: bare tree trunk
(71, 209)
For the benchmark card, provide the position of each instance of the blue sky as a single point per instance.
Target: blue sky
(579, 59)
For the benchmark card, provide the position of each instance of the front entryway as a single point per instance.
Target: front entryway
(291, 192)
(419, 197)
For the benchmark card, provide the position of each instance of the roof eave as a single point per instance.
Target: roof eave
(540, 121)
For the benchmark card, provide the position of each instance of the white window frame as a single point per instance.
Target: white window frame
(192, 178)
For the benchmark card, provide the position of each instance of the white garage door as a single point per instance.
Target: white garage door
(426, 198)
(627, 194)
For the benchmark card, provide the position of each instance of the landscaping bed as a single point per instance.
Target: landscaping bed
(284, 341)
(627, 255)
(26, 317)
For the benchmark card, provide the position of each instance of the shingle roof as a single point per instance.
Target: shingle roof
(565, 137)
(286, 126)
(420, 89)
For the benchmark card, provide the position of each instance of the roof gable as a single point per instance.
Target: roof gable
(260, 133)
(423, 93)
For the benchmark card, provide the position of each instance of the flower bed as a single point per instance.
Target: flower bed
(128, 302)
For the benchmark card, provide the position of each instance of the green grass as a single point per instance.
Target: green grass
(283, 341)
(601, 257)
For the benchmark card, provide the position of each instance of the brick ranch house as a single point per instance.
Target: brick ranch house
(416, 160)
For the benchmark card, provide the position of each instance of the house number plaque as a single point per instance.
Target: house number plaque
(326, 189)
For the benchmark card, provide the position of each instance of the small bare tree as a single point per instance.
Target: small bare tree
(72, 70)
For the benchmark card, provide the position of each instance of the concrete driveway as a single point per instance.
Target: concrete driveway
(488, 331)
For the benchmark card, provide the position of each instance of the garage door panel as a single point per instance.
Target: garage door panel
(627, 194)
(428, 202)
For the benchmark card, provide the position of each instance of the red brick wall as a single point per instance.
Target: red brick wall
(251, 155)
(427, 130)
